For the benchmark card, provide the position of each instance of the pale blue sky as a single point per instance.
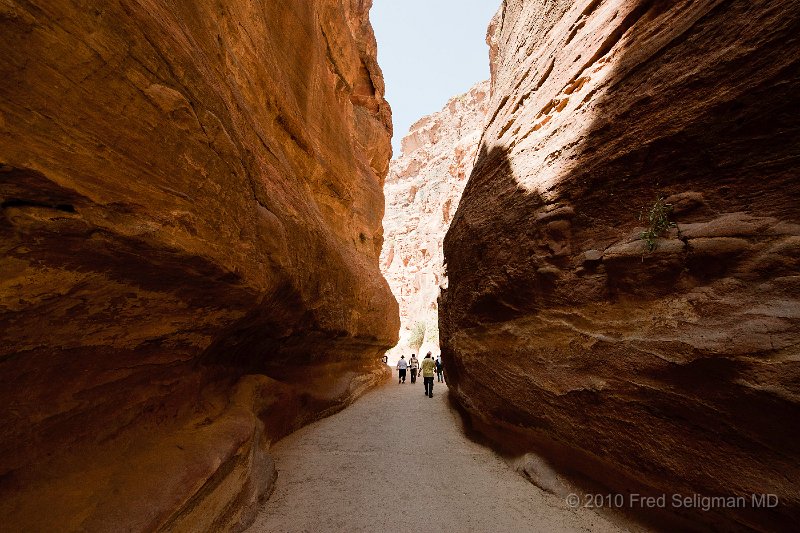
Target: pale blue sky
(429, 51)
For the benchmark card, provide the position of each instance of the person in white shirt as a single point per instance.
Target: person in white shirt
(402, 364)
(413, 364)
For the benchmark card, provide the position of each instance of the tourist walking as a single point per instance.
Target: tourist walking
(402, 365)
(428, 369)
(439, 371)
(413, 365)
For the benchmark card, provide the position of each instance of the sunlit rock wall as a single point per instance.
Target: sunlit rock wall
(191, 192)
(422, 191)
(671, 371)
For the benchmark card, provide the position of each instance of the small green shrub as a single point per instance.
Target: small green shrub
(432, 332)
(417, 335)
(657, 219)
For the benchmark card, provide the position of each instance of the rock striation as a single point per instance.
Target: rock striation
(191, 204)
(422, 189)
(671, 371)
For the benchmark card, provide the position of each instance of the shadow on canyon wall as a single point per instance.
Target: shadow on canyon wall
(578, 355)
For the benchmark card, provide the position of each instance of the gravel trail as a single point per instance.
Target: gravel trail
(397, 460)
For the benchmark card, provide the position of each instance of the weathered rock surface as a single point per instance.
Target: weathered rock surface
(422, 190)
(191, 223)
(675, 371)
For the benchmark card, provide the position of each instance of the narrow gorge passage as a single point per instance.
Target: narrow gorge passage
(214, 233)
(398, 461)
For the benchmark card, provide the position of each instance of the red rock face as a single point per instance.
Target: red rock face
(671, 371)
(422, 191)
(191, 192)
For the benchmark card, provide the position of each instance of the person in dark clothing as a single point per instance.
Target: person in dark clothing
(439, 371)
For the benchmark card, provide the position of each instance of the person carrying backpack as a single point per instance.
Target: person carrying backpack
(413, 364)
(439, 371)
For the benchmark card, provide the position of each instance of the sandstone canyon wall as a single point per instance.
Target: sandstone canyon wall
(671, 371)
(422, 190)
(191, 222)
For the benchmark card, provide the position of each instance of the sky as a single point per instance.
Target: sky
(429, 51)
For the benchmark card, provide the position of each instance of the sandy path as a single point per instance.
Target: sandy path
(397, 460)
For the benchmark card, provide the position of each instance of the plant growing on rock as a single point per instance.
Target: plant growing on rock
(658, 222)
(417, 335)
(432, 332)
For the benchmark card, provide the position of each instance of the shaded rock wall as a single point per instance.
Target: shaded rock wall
(190, 192)
(422, 191)
(675, 371)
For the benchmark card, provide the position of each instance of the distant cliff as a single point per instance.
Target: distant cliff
(422, 191)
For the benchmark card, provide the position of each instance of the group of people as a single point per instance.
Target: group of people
(428, 368)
